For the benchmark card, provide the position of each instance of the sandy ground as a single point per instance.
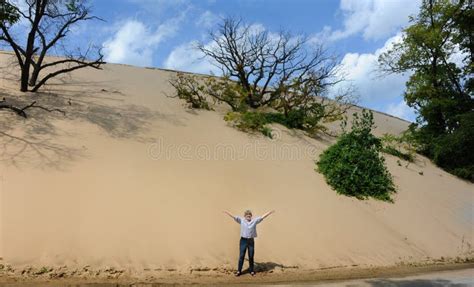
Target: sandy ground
(440, 274)
(130, 179)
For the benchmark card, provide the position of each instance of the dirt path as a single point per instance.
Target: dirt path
(428, 275)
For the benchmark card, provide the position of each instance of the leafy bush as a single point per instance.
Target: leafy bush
(353, 166)
(300, 105)
(196, 90)
(256, 121)
(296, 119)
(249, 122)
(224, 90)
(188, 89)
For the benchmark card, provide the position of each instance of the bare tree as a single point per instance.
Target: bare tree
(309, 96)
(50, 22)
(268, 66)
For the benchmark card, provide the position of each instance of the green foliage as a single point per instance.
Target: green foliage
(8, 13)
(267, 81)
(396, 152)
(257, 121)
(293, 120)
(252, 120)
(398, 146)
(266, 131)
(439, 89)
(196, 90)
(453, 151)
(300, 105)
(226, 91)
(299, 108)
(188, 88)
(297, 119)
(71, 6)
(353, 166)
(249, 122)
(43, 270)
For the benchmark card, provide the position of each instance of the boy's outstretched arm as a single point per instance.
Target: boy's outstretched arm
(236, 218)
(267, 214)
(229, 214)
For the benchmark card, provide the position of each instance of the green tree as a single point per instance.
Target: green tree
(439, 87)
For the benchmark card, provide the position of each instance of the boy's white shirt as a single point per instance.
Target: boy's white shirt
(248, 229)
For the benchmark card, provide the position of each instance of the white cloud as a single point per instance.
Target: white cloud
(375, 91)
(207, 19)
(188, 58)
(134, 42)
(401, 110)
(375, 19)
(361, 69)
(458, 57)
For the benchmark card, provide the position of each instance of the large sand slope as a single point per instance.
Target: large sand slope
(132, 178)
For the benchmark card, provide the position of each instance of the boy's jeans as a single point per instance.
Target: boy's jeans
(246, 243)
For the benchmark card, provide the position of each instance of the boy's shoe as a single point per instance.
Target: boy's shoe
(238, 274)
(252, 273)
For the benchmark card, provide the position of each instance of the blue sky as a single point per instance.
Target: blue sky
(161, 33)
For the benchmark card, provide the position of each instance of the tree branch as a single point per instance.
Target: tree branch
(22, 111)
(81, 64)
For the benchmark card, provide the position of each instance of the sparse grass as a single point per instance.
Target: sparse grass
(395, 152)
(43, 270)
(399, 146)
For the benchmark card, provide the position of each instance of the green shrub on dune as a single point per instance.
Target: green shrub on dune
(353, 166)
(249, 122)
(400, 146)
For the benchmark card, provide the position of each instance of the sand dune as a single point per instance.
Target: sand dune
(132, 179)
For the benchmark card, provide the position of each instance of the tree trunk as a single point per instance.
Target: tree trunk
(25, 71)
(251, 102)
(30, 46)
(34, 76)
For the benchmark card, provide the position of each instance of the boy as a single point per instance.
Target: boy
(248, 231)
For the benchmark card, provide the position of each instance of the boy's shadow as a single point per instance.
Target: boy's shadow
(267, 267)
